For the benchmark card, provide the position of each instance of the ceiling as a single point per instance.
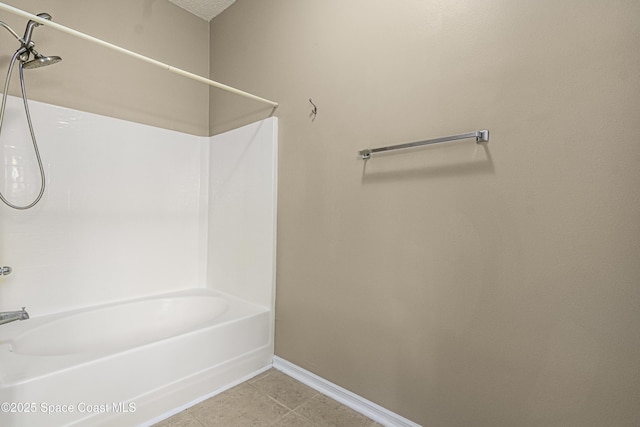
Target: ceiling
(205, 9)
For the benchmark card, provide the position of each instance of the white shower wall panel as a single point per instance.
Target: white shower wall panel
(124, 213)
(242, 211)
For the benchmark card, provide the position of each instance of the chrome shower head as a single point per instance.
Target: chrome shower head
(40, 61)
(28, 47)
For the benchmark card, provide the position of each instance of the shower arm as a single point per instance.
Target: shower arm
(13, 33)
(103, 43)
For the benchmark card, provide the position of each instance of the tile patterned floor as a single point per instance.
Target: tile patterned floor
(270, 399)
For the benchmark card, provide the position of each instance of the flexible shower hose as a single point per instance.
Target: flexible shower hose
(33, 135)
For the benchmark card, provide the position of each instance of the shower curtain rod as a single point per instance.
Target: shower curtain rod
(167, 67)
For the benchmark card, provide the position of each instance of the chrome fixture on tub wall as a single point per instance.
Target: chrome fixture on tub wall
(12, 316)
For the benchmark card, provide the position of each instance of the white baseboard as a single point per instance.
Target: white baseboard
(359, 404)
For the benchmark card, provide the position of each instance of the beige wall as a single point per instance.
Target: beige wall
(456, 285)
(96, 79)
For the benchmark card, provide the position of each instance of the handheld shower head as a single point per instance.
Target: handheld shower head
(28, 47)
(30, 26)
(40, 61)
(22, 55)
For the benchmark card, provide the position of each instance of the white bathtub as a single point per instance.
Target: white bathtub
(129, 363)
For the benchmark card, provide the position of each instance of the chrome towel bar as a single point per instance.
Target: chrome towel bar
(479, 135)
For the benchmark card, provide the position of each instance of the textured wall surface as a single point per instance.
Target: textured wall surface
(457, 285)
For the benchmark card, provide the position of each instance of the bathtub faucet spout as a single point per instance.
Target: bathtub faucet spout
(12, 316)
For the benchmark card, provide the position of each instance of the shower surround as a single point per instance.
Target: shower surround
(131, 212)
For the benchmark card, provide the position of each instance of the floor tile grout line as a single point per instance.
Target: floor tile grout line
(287, 390)
(290, 410)
(295, 413)
(280, 418)
(304, 417)
(316, 393)
(305, 402)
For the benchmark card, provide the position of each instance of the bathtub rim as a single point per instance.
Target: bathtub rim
(52, 365)
(141, 328)
(11, 330)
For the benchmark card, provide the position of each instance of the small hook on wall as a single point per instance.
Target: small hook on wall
(314, 111)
